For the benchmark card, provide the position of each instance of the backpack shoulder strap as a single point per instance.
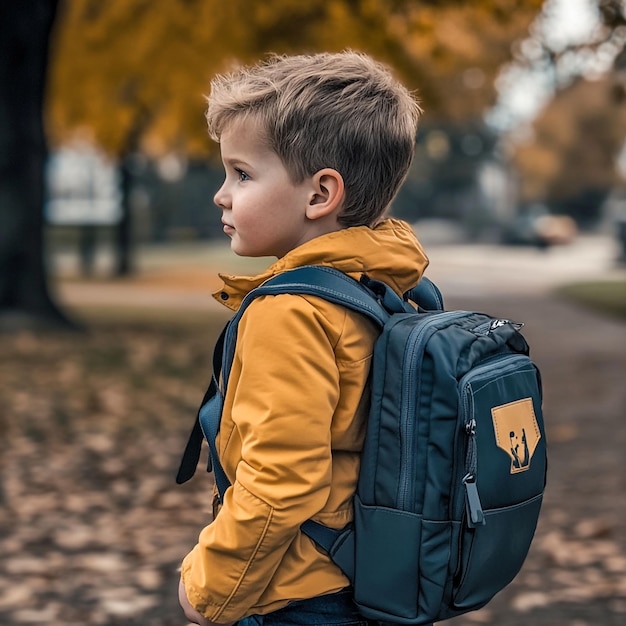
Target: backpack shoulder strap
(315, 280)
(369, 297)
(336, 286)
(324, 282)
(327, 283)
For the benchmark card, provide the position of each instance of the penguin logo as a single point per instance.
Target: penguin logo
(517, 432)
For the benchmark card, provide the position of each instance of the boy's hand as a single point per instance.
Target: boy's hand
(190, 613)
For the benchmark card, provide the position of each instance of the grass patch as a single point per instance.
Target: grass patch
(607, 297)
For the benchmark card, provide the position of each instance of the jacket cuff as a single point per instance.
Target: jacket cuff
(195, 595)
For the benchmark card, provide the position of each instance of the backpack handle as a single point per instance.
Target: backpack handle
(426, 295)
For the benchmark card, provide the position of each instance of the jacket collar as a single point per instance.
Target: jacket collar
(388, 252)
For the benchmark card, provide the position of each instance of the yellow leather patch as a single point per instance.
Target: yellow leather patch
(517, 432)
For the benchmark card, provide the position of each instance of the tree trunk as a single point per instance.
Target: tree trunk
(25, 29)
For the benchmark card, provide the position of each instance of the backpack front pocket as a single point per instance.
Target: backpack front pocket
(491, 555)
(502, 482)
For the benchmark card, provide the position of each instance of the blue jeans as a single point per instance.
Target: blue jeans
(335, 609)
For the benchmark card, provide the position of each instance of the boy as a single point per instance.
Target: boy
(314, 149)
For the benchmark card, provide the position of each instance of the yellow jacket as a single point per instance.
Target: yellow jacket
(292, 428)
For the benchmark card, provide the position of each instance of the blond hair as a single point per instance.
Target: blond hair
(343, 111)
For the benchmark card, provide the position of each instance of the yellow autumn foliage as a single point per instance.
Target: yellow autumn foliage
(132, 74)
(576, 141)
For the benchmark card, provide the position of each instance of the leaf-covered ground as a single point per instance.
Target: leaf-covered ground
(93, 527)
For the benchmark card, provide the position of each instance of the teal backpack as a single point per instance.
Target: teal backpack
(454, 464)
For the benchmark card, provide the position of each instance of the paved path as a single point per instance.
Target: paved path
(182, 276)
(484, 269)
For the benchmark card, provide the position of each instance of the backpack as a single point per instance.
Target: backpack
(454, 464)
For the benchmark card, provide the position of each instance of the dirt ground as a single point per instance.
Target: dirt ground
(92, 526)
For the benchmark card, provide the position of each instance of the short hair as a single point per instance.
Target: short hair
(344, 111)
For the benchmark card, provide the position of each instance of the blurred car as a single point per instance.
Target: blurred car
(537, 227)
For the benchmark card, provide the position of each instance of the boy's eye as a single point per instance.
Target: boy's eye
(242, 175)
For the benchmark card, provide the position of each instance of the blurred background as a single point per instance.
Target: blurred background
(110, 247)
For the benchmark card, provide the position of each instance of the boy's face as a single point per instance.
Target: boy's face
(263, 211)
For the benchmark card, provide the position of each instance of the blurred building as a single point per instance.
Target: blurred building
(168, 198)
(83, 188)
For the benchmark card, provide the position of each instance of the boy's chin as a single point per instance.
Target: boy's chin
(243, 251)
(247, 253)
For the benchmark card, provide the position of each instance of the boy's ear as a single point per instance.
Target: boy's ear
(327, 194)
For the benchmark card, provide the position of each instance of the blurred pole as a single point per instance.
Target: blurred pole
(621, 240)
(124, 229)
(87, 242)
(619, 94)
(123, 236)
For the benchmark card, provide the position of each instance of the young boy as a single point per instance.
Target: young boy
(314, 149)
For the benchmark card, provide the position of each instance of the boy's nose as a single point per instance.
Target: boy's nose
(220, 198)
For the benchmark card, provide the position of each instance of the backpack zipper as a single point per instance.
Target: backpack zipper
(408, 415)
(473, 507)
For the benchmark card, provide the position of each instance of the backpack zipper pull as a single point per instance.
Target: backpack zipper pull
(473, 508)
(475, 515)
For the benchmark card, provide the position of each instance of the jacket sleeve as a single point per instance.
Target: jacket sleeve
(287, 388)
